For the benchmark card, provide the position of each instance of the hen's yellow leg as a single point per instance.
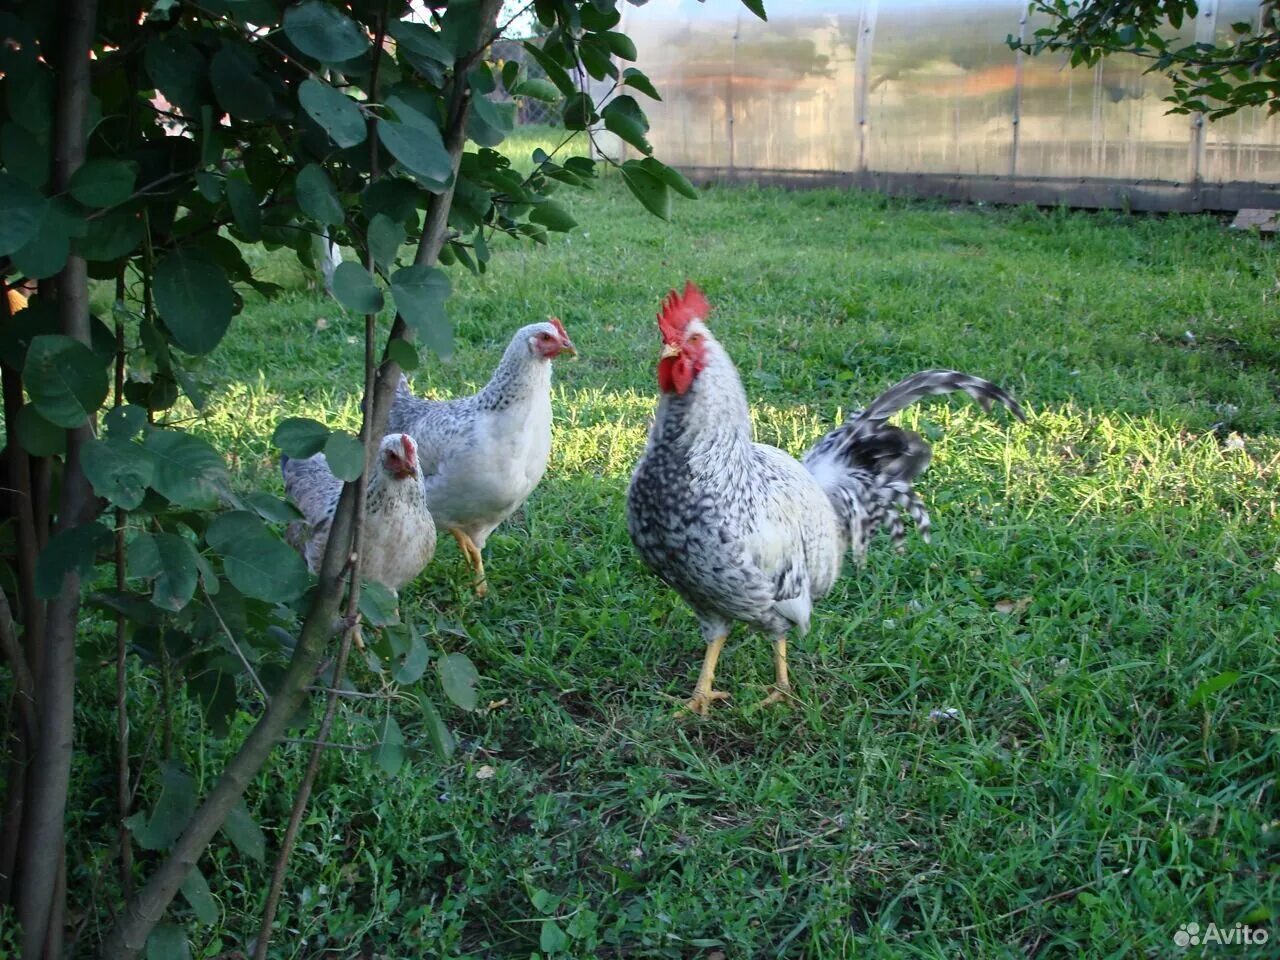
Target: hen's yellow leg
(703, 695)
(782, 684)
(474, 560)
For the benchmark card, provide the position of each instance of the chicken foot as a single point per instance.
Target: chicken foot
(703, 695)
(474, 560)
(781, 690)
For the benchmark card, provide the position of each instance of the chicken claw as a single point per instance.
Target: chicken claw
(700, 702)
(474, 559)
(780, 691)
(778, 694)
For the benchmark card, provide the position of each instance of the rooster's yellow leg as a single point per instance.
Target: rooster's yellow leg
(782, 685)
(703, 695)
(474, 560)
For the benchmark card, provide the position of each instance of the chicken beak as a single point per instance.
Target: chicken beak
(566, 346)
(669, 350)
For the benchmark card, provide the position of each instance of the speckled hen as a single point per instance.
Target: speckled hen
(399, 534)
(483, 455)
(743, 532)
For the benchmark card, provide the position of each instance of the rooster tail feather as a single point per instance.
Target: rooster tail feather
(867, 466)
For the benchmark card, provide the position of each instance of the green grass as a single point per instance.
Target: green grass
(1083, 802)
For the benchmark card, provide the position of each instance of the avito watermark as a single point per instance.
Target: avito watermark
(1239, 935)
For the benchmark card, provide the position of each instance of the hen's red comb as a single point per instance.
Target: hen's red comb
(555, 322)
(679, 310)
(410, 448)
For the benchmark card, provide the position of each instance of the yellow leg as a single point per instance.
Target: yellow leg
(474, 560)
(703, 695)
(782, 685)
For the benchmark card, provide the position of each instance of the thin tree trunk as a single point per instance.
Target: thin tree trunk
(145, 909)
(41, 897)
(123, 798)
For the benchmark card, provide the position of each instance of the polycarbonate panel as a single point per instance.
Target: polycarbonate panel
(940, 93)
(941, 90)
(1110, 120)
(1246, 145)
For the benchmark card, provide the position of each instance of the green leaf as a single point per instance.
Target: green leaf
(244, 207)
(404, 353)
(168, 941)
(378, 604)
(579, 112)
(648, 189)
(389, 753)
(169, 560)
(124, 422)
(553, 216)
(197, 893)
(420, 292)
(188, 471)
(271, 508)
(215, 691)
(195, 301)
(256, 562)
(173, 809)
(623, 116)
(355, 289)
(74, 549)
(458, 677)
(177, 69)
(552, 939)
(537, 89)
(637, 80)
(243, 831)
(104, 183)
(119, 470)
(300, 437)
(756, 7)
(1207, 688)
(439, 734)
(321, 31)
(316, 195)
(554, 71)
(671, 177)
(334, 111)
(38, 436)
(111, 236)
(24, 155)
(46, 253)
(412, 664)
(420, 150)
(621, 45)
(345, 454)
(385, 237)
(65, 380)
(489, 121)
(22, 211)
(236, 84)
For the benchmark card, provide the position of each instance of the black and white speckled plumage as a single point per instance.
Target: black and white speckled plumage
(483, 455)
(745, 533)
(399, 534)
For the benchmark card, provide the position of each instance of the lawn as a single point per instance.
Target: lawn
(1021, 740)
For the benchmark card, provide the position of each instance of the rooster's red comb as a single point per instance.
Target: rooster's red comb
(679, 310)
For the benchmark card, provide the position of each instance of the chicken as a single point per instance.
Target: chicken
(482, 455)
(399, 534)
(743, 532)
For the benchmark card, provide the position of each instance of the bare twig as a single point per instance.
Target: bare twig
(231, 639)
(123, 797)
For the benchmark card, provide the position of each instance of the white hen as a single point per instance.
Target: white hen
(399, 535)
(482, 455)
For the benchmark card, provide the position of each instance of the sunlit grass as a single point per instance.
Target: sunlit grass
(1089, 570)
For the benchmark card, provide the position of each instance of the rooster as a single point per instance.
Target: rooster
(482, 455)
(399, 534)
(743, 532)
